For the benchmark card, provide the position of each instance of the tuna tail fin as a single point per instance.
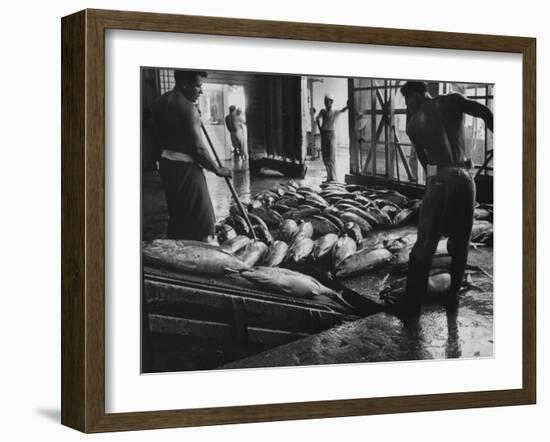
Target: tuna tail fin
(340, 296)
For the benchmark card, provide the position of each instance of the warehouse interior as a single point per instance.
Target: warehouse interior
(195, 323)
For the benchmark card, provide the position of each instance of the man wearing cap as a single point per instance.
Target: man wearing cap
(436, 129)
(329, 118)
(177, 131)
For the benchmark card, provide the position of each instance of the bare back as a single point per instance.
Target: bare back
(438, 128)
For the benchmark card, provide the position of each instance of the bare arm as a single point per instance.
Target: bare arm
(475, 109)
(200, 153)
(345, 108)
(317, 119)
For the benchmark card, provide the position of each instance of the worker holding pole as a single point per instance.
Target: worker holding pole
(183, 156)
(436, 128)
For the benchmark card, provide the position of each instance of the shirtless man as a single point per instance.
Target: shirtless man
(177, 125)
(436, 129)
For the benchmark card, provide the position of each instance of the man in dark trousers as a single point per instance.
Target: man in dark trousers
(329, 117)
(230, 124)
(436, 129)
(178, 136)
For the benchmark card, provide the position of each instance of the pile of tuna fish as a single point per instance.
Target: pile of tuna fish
(351, 229)
(343, 229)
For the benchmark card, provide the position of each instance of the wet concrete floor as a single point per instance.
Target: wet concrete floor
(436, 333)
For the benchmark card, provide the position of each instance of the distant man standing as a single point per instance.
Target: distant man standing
(230, 124)
(329, 117)
(436, 129)
(239, 124)
(177, 129)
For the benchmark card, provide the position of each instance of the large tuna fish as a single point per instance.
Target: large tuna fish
(335, 193)
(364, 225)
(480, 230)
(276, 254)
(301, 213)
(438, 284)
(300, 249)
(382, 218)
(234, 209)
(305, 230)
(289, 201)
(280, 208)
(401, 256)
(366, 215)
(313, 198)
(311, 189)
(270, 217)
(333, 219)
(263, 234)
(390, 210)
(321, 226)
(239, 224)
(235, 244)
(353, 231)
(288, 230)
(394, 245)
(323, 245)
(294, 284)
(260, 228)
(344, 247)
(406, 216)
(191, 257)
(252, 253)
(362, 261)
(225, 232)
(483, 214)
(366, 202)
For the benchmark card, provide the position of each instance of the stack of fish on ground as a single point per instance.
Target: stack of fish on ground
(345, 229)
(351, 229)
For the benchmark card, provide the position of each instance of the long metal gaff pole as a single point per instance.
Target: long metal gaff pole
(230, 184)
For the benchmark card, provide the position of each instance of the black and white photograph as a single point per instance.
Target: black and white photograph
(300, 220)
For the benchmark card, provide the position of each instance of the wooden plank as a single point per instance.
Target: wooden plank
(297, 315)
(354, 157)
(218, 330)
(239, 319)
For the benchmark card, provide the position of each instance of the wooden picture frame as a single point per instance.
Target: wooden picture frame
(83, 219)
